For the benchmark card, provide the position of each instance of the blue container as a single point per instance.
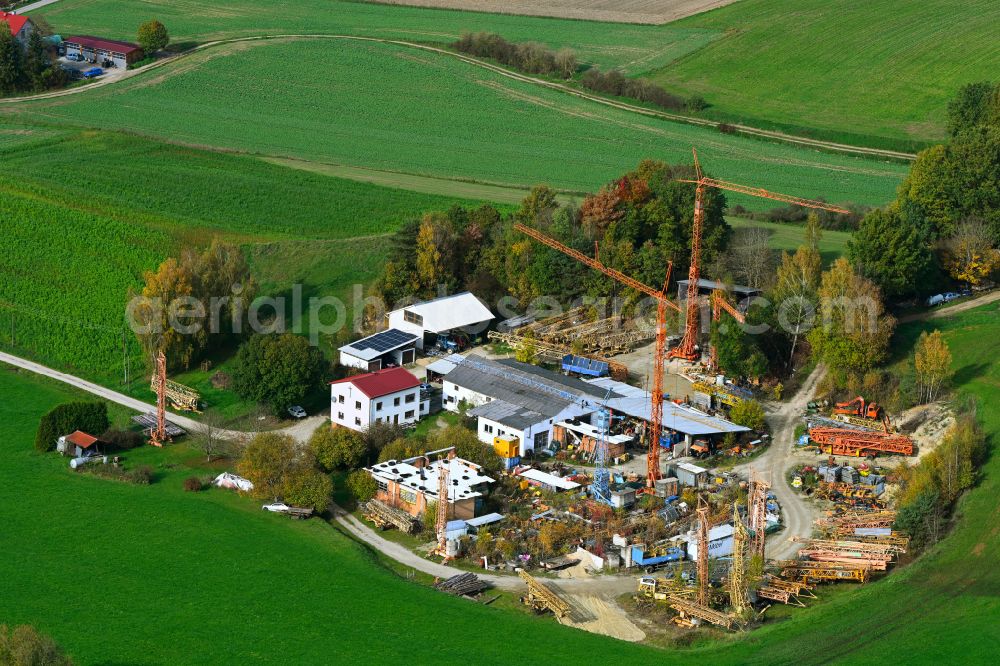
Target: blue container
(511, 463)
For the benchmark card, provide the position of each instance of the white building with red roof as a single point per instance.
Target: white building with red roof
(20, 26)
(391, 395)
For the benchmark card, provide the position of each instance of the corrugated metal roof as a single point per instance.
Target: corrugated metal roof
(443, 366)
(510, 415)
(681, 418)
(516, 384)
(548, 479)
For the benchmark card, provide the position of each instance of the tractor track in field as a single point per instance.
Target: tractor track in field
(772, 135)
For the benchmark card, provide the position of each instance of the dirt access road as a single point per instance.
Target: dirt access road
(955, 308)
(772, 465)
(300, 431)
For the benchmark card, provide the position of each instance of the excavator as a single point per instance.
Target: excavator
(863, 413)
(859, 407)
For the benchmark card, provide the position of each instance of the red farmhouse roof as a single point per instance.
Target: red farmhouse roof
(382, 382)
(107, 44)
(82, 439)
(15, 21)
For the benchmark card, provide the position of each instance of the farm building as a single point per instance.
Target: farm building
(460, 314)
(682, 424)
(20, 26)
(79, 444)
(391, 395)
(412, 485)
(97, 50)
(391, 347)
(519, 399)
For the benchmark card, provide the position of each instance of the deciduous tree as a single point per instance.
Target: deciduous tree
(152, 36)
(338, 448)
(932, 361)
(278, 370)
(970, 254)
(891, 253)
(308, 488)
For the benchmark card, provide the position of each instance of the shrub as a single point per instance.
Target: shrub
(309, 488)
(90, 417)
(615, 83)
(123, 440)
(142, 476)
(24, 645)
(362, 486)
(726, 128)
(748, 413)
(530, 57)
(278, 370)
(193, 484)
(338, 448)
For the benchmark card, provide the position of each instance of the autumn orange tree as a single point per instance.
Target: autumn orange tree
(969, 255)
(932, 362)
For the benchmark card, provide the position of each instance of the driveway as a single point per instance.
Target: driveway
(300, 431)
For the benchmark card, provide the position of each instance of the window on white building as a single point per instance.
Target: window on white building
(409, 414)
(395, 402)
(357, 404)
(378, 406)
(413, 318)
(357, 420)
(340, 416)
(411, 397)
(340, 399)
(488, 428)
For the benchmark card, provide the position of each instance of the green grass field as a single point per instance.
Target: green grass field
(229, 584)
(635, 48)
(85, 214)
(788, 237)
(470, 124)
(879, 72)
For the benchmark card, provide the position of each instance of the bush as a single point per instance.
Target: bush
(748, 413)
(123, 440)
(338, 448)
(90, 417)
(362, 486)
(530, 57)
(25, 646)
(615, 83)
(140, 476)
(193, 484)
(309, 488)
(278, 370)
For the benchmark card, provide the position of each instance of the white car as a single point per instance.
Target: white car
(276, 507)
(297, 412)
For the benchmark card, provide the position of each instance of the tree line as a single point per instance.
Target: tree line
(536, 58)
(639, 221)
(944, 225)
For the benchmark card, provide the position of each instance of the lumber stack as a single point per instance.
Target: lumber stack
(690, 609)
(385, 516)
(462, 585)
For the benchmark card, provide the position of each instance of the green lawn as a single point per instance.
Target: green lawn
(177, 577)
(879, 72)
(393, 108)
(77, 240)
(788, 237)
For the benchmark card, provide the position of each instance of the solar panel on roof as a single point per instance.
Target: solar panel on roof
(384, 341)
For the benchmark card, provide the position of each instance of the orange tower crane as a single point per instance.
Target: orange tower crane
(686, 349)
(158, 435)
(720, 303)
(659, 358)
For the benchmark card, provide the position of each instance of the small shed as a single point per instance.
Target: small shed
(79, 445)
(690, 475)
(475, 524)
(581, 365)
